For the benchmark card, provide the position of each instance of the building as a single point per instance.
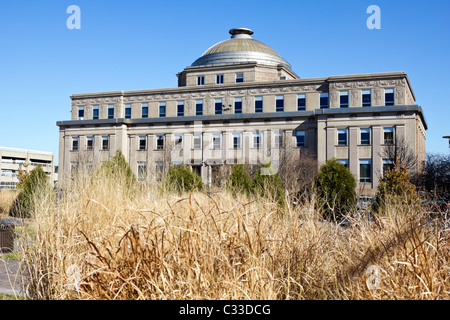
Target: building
(12, 160)
(240, 102)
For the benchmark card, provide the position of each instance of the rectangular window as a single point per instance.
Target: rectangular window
(201, 80)
(237, 105)
(128, 111)
(162, 109)
(324, 100)
(342, 137)
(279, 104)
(142, 142)
(218, 106)
(219, 79)
(159, 142)
(388, 135)
(142, 170)
(256, 140)
(159, 170)
(216, 141)
(239, 77)
(278, 139)
(343, 99)
(301, 102)
(81, 113)
(300, 136)
(365, 136)
(95, 112)
(388, 164)
(343, 162)
(197, 141)
(258, 104)
(145, 110)
(110, 111)
(75, 143)
(199, 107)
(105, 142)
(90, 143)
(178, 141)
(367, 98)
(180, 108)
(236, 140)
(365, 170)
(388, 97)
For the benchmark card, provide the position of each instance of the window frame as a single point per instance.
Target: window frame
(301, 102)
(75, 143)
(160, 142)
(237, 137)
(144, 106)
(322, 96)
(365, 142)
(220, 78)
(344, 94)
(142, 143)
(200, 80)
(388, 130)
(81, 111)
(199, 103)
(162, 109)
(339, 141)
(126, 113)
(180, 105)
(218, 106)
(298, 135)
(217, 141)
(386, 93)
(238, 102)
(366, 179)
(88, 145)
(279, 103)
(105, 139)
(261, 100)
(197, 142)
(111, 107)
(364, 93)
(239, 77)
(95, 112)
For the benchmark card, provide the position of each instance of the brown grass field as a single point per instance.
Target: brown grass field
(97, 243)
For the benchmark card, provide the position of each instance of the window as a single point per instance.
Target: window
(75, 143)
(110, 111)
(388, 97)
(278, 139)
(237, 105)
(95, 112)
(162, 109)
(199, 107)
(343, 99)
(388, 135)
(239, 77)
(81, 113)
(105, 142)
(197, 141)
(365, 170)
(128, 111)
(142, 142)
(159, 170)
(365, 136)
(300, 136)
(279, 104)
(90, 143)
(178, 141)
(73, 168)
(216, 141)
(367, 98)
(388, 164)
(324, 100)
(218, 106)
(159, 142)
(145, 110)
(258, 104)
(201, 80)
(236, 140)
(142, 170)
(342, 137)
(256, 140)
(219, 79)
(180, 108)
(301, 102)
(343, 162)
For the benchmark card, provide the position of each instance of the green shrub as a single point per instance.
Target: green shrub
(35, 187)
(239, 180)
(267, 183)
(335, 187)
(182, 179)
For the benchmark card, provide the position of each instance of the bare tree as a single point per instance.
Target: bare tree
(402, 152)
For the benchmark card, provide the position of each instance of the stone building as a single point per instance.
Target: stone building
(240, 102)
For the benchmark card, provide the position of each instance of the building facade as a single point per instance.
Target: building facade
(12, 160)
(240, 102)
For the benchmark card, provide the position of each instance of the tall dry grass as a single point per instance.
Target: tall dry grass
(97, 243)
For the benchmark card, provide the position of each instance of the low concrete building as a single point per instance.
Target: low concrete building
(240, 102)
(12, 160)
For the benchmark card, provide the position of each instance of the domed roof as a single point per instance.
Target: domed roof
(241, 48)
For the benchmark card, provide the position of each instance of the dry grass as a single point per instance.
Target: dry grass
(99, 244)
(6, 200)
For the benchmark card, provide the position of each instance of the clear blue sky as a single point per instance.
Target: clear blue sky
(137, 44)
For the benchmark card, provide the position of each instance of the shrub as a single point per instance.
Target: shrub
(335, 187)
(182, 179)
(239, 180)
(267, 182)
(35, 186)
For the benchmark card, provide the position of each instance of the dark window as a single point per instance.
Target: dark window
(199, 107)
(237, 105)
(342, 137)
(201, 80)
(343, 99)
(256, 139)
(389, 97)
(366, 98)
(180, 108)
(142, 142)
(178, 141)
(300, 135)
(239, 77)
(324, 100)
(365, 136)
(365, 170)
(162, 109)
(145, 110)
(388, 135)
(128, 111)
(237, 141)
(105, 143)
(279, 104)
(344, 162)
(218, 106)
(90, 143)
(95, 112)
(80, 113)
(110, 111)
(74, 144)
(301, 102)
(258, 104)
(219, 79)
(388, 164)
(160, 143)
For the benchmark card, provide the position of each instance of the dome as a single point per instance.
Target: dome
(241, 48)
